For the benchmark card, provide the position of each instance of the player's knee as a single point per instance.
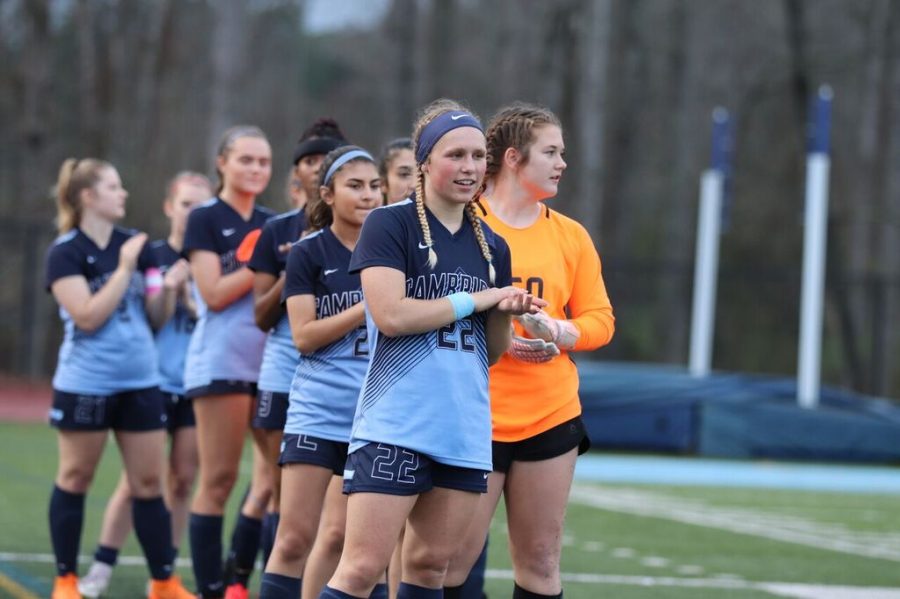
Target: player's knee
(539, 558)
(218, 486)
(427, 566)
(361, 573)
(145, 484)
(333, 539)
(180, 484)
(294, 545)
(75, 479)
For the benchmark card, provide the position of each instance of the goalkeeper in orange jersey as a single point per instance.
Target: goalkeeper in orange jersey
(537, 428)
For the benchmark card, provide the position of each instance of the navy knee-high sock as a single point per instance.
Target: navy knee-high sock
(380, 591)
(206, 553)
(412, 591)
(153, 528)
(244, 547)
(66, 515)
(267, 540)
(474, 584)
(276, 586)
(107, 555)
(330, 593)
(520, 593)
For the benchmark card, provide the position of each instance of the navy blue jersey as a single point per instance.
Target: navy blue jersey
(327, 381)
(280, 357)
(92, 363)
(429, 392)
(173, 338)
(226, 344)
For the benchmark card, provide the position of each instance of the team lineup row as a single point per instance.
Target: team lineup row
(397, 344)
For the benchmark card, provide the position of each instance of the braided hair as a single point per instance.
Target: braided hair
(513, 126)
(428, 114)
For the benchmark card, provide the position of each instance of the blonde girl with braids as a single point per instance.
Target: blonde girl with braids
(438, 306)
(110, 292)
(225, 352)
(537, 427)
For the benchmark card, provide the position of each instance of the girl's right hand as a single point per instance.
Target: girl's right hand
(130, 250)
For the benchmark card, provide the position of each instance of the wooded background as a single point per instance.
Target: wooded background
(151, 84)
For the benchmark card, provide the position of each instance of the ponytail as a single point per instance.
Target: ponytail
(74, 177)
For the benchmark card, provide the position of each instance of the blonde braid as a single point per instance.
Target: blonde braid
(482, 242)
(423, 220)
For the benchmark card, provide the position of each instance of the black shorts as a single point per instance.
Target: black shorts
(393, 470)
(551, 443)
(304, 449)
(271, 411)
(179, 412)
(137, 411)
(222, 387)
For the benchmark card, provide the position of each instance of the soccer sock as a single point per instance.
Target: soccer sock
(107, 555)
(206, 552)
(330, 593)
(380, 591)
(411, 591)
(244, 547)
(276, 586)
(474, 584)
(520, 593)
(66, 516)
(453, 592)
(267, 540)
(153, 527)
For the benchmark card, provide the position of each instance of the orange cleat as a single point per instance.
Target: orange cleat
(236, 591)
(66, 587)
(169, 589)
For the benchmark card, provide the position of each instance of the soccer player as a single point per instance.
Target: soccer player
(315, 142)
(420, 443)
(324, 301)
(110, 291)
(537, 427)
(226, 346)
(397, 167)
(183, 192)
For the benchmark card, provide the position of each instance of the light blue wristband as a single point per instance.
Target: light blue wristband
(463, 304)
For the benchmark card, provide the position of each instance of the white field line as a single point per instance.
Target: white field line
(788, 529)
(782, 589)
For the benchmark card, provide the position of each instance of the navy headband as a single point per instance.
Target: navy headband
(439, 127)
(316, 145)
(344, 159)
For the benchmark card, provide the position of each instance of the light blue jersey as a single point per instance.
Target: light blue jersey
(173, 338)
(429, 392)
(120, 355)
(280, 357)
(326, 383)
(226, 345)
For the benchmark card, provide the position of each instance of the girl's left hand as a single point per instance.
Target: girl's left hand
(518, 301)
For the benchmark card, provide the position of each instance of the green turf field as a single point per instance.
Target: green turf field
(621, 541)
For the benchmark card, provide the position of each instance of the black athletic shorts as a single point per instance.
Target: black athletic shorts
(551, 443)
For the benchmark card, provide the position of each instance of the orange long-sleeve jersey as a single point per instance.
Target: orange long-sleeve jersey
(556, 260)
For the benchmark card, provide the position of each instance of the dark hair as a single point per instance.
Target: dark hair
(227, 142)
(318, 213)
(74, 177)
(390, 151)
(321, 137)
